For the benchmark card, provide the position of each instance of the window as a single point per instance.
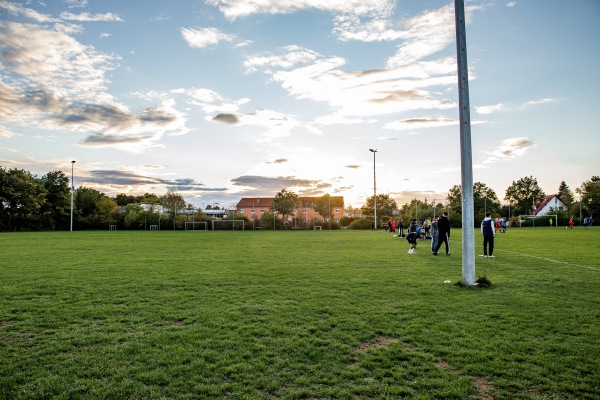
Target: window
(262, 210)
(305, 211)
(252, 211)
(337, 210)
(241, 210)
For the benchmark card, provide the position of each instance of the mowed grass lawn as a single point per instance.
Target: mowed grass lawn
(296, 315)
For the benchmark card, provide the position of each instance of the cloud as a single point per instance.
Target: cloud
(275, 184)
(511, 4)
(537, 102)
(278, 161)
(353, 166)
(233, 9)
(124, 178)
(509, 149)
(6, 133)
(489, 109)
(204, 37)
(292, 56)
(16, 9)
(226, 118)
(419, 123)
(87, 17)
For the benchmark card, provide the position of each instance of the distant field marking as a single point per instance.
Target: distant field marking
(550, 260)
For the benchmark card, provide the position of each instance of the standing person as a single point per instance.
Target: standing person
(571, 222)
(443, 234)
(400, 228)
(503, 224)
(411, 236)
(435, 232)
(426, 225)
(488, 230)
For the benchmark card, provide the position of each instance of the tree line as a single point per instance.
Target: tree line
(31, 203)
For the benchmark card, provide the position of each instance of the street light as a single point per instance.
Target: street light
(374, 189)
(72, 192)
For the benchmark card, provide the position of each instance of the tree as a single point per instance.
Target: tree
(57, 204)
(565, 195)
(123, 199)
(21, 196)
(172, 202)
(285, 202)
(484, 200)
(590, 195)
(385, 207)
(523, 194)
(93, 208)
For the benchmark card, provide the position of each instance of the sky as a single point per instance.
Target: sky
(222, 99)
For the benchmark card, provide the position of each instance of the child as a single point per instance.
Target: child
(412, 235)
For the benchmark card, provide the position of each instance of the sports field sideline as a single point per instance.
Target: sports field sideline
(296, 314)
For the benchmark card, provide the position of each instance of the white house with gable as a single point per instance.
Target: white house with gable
(549, 205)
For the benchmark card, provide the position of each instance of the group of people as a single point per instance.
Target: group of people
(438, 229)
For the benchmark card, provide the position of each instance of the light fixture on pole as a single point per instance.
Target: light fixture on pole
(374, 190)
(72, 192)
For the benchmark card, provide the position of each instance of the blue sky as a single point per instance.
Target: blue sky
(223, 99)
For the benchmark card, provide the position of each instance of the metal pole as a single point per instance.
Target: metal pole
(374, 190)
(466, 157)
(72, 193)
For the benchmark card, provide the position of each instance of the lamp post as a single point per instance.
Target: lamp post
(72, 192)
(374, 189)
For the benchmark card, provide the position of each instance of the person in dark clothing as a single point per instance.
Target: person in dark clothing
(411, 236)
(444, 234)
(488, 231)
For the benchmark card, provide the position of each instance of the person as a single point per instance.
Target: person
(434, 233)
(488, 230)
(400, 228)
(411, 236)
(571, 222)
(426, 225)
(550, 221)
(443, 234)
(503, 224)
(393, 226)
(497, 222)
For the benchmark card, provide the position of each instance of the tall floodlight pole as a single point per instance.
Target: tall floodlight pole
(374, 190)
(466, 158)
(72, 192)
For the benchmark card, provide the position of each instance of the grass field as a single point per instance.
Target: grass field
(296, 315)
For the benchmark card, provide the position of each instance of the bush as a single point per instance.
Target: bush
(363, 223)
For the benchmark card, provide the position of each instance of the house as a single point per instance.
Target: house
(254, 207)
(549, 205)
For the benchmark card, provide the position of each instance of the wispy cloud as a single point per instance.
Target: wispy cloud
(418, 123)
(489, 109)
(233, 9)
(509, 149)
(204, 37)
(538, 102)
(87, 17)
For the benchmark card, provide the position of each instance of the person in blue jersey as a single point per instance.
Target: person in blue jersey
(489, 232)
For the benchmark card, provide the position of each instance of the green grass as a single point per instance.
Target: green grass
(296, 315)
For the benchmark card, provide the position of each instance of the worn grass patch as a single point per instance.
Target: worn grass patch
(290, 315)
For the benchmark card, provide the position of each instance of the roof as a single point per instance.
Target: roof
(544, 202)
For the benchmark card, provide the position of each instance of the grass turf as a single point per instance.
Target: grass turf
(292, 315)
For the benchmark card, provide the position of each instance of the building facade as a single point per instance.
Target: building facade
(255, 207)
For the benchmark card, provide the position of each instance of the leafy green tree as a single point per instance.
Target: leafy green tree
(285, 202)
(484, 200)
(21, 197)
(57, 205)
(590, 195)
(565, 195)
(124, 199)
(523, 194)
(94, 209)
(134, 216)
(173, 202)
(385, 207)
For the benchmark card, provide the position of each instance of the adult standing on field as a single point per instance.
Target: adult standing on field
(435, 233)
(571, 222)
(488, 230)
(444, 234)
